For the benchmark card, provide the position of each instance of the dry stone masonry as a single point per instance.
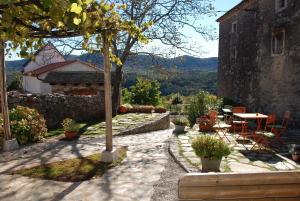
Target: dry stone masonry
(56, 107)
(259, 56)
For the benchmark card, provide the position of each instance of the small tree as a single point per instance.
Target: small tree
(146, 92)
(200, 104)
(16, 83)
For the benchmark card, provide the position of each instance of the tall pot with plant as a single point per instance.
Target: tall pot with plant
(180, 124)
(211, 150)
(71, 128)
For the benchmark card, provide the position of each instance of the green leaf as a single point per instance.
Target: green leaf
(47, 3)
(83, 16)
(76, 8)
(76, 20)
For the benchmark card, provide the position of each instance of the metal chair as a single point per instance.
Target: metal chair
(218, 125)
(242, 125)
(279, 129)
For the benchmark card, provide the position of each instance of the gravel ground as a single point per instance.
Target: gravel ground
(166, 188)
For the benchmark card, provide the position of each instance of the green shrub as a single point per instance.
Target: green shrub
(176, 99)
(70, 125)
(126, 96)
(16, 83)
(200, 104)
(180, 121)
(210, 147)
(145, 92)
(27, 125)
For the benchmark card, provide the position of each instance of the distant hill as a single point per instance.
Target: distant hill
(139, 61)
(185, 74)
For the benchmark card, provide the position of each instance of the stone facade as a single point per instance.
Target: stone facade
(256, 67)
(78, 89)
(56, 107)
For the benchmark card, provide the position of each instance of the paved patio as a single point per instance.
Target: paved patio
(241, 159)
(132, 180)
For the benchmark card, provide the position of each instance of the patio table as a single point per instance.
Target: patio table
(246, 116)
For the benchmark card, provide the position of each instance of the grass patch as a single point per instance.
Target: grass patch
(120, 122)
(73, 170)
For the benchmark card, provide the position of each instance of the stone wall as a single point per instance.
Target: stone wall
(260, 80)
(56, 107)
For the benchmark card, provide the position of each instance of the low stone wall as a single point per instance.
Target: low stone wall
(162, 122)
(56, 107)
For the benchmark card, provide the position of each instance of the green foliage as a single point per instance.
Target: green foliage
(24, 25)
(185, 82)
(27, 125)
(145, 92)
(16, 83)
(176, 99)
(200, 104)
(180, 121)
(126, 96)
(210, 147)
(70, 125)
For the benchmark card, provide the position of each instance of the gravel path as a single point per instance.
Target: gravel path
(133, 180)
(166, 188)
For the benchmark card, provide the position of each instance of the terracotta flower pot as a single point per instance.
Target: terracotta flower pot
(209, 165)
(123, 109)
(70, 134)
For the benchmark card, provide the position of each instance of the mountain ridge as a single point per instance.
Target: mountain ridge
(141, 61)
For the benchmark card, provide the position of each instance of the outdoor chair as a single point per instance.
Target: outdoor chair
(239, 124)
(227, 112)
(266, 135)
(279, 129)
(218, 125)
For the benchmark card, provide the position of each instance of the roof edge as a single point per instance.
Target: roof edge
(235, 8)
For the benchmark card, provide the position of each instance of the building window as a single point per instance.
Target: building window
(278, 41)
(234, 27)
(280, 5)
(233, 54)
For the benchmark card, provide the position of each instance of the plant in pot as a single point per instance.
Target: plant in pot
(180, 124)
(295, 152)
(71, 128)
(211, 151)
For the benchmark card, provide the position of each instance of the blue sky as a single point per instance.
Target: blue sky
(211, 47)
(208, 48)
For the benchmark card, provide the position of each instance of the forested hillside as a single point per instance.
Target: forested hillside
(183, 74)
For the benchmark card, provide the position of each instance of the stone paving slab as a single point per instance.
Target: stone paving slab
(132, 180)
(241, 159)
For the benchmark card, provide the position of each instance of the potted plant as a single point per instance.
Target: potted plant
(295, 152)
(211, 151)
(180, 124)
(71, 128)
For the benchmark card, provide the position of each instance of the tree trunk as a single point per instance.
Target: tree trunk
(116, 98)
(4, 105)
(107, 93)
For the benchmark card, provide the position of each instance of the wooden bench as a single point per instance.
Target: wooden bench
(267, 186)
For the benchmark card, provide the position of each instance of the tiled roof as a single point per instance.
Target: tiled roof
(53, 66)
(76, 77)
(48, 67)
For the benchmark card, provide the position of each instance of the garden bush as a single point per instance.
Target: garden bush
(180, 121)
(210, 147)
(176, 99)
(200, 104)
(27, 125)
(144, 92)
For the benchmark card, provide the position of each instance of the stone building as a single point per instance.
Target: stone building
(259, 56)
(49, 72)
